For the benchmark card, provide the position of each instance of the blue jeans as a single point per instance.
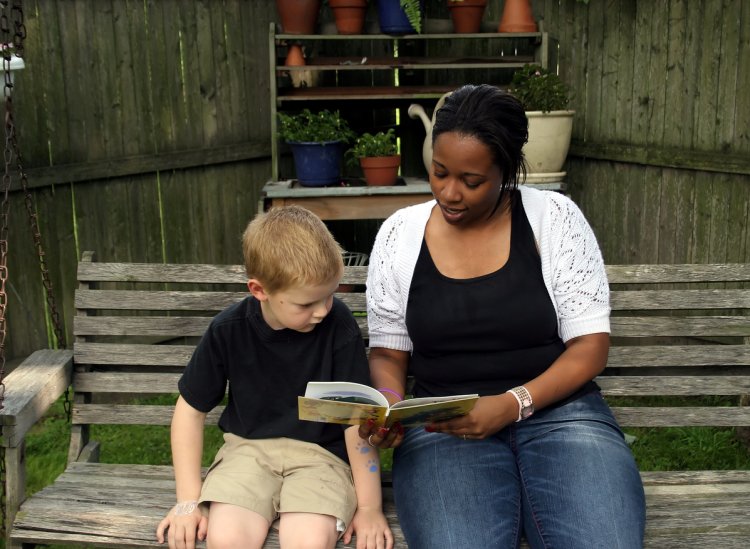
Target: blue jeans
(563, 479)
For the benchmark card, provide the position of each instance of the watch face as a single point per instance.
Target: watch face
(527, 409)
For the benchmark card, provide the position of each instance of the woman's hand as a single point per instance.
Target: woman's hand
(489, 415)
(381, 437)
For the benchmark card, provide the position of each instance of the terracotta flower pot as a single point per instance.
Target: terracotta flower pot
(380, 170)
(517, 17)
(300, 78)
(467, 15)
(298, 16)
(349, 15)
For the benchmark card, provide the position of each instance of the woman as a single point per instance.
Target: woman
(500, 291)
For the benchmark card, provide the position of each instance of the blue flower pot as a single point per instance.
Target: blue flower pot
(392, 18)
(317, 164)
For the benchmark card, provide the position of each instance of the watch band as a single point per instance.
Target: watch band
(525, 402)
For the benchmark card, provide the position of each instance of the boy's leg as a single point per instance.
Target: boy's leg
(307, 530)
(318, 487)
(233, 526)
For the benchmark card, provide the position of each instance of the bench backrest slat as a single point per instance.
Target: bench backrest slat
(678, 273)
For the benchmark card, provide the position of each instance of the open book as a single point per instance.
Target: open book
(354, 404)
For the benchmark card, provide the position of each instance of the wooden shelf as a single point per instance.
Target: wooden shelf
(353, 93)
(352, 199)
(387, 72)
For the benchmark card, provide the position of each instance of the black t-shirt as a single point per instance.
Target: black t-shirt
(268, 369)
(486, 334)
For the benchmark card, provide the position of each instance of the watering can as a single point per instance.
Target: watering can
(417, 111)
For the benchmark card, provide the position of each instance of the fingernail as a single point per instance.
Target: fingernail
(429, 429)
(382, 431)
(370, 422)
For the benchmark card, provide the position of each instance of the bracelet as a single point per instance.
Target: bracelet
(185, 507)
(394, 393)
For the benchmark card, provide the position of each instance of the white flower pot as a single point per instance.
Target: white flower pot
(549, 140)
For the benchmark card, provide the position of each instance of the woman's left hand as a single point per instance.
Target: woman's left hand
(381, 437)
(489, 415)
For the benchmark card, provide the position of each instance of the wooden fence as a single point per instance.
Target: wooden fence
(144, 131)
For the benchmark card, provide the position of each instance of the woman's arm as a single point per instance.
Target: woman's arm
(387, 370)
(583, 359)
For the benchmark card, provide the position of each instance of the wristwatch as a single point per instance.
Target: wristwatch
(525, 402)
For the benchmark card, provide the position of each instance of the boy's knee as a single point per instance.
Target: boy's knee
(314, 539)
(229, 538)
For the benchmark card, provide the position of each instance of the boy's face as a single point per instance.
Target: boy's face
(299, 308)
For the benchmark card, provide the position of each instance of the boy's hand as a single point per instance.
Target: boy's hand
(371, 529)
(381, 437)
(184, 521)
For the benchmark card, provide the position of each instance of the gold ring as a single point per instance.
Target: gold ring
(369, 441)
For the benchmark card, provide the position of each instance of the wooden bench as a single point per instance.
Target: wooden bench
(678, 331)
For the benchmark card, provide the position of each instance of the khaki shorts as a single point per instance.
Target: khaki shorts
(281, 475)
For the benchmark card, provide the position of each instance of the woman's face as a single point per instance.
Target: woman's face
(464, 179)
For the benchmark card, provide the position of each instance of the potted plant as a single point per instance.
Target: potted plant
(316, 140)
(400, 16)
(378, 156)
(467, 15)
(545, 98)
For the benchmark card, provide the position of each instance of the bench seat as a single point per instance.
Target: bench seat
(106, 505)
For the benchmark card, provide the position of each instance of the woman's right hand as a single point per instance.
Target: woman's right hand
(381, 437)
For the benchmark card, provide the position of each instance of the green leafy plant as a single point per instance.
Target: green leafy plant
(379, 144)
(310, 127)
(413, 11)
(538, 89)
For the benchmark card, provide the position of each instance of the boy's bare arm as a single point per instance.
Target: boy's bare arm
(185, 520)
(187, 450)
(369, 523)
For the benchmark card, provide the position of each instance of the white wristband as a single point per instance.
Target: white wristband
(185, 507)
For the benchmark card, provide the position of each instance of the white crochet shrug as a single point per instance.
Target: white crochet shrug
(572, 267)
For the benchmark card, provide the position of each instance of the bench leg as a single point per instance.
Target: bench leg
(15, 485)
(744, 432)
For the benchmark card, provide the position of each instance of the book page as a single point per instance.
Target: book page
(410, 402)
(437, 409)
(345, 391)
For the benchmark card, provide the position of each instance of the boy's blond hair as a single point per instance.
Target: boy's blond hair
(290, 247)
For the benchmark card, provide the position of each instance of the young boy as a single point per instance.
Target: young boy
(291, 330)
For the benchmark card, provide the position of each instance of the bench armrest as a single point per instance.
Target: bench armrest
(30, 389)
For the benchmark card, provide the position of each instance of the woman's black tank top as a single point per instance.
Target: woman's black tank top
(485, 334)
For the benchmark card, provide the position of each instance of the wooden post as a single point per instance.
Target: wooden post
(15, 484)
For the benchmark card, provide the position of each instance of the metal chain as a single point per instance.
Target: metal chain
(3, 489)
(4, 213)
(5, 207)
(14, 45)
